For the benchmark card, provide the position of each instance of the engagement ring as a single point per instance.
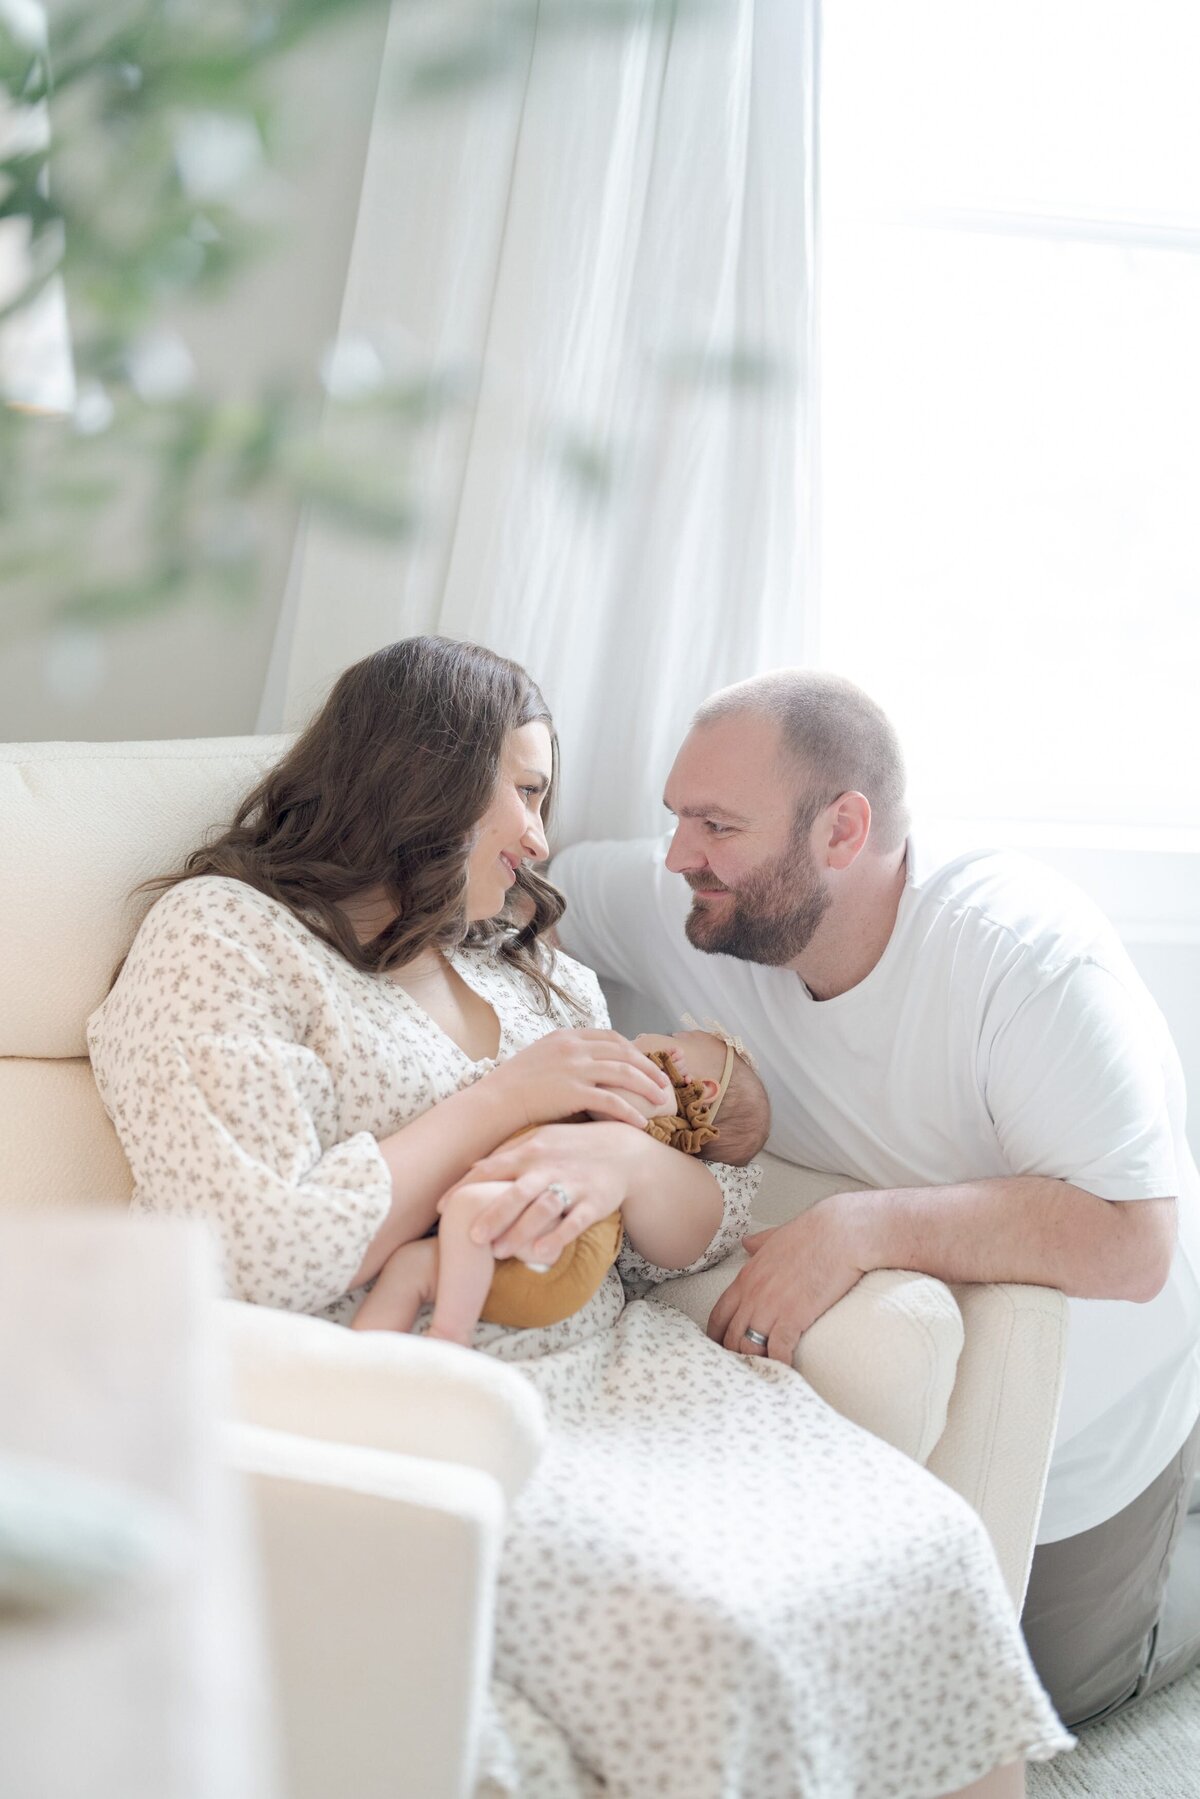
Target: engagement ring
(562, 1196)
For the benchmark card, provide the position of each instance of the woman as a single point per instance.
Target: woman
(713, 1585)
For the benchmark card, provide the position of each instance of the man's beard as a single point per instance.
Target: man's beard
(770, 918)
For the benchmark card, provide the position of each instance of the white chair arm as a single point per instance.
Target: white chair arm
(995, 1449)
(379, 1573)
(382, 1390)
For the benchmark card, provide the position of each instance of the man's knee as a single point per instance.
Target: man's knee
(1177, 1643)
(1113, 1613)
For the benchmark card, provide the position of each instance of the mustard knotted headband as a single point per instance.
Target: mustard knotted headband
(691, 1127)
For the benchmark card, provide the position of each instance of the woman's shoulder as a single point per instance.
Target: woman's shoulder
(204, 902)
(217, 922)
(208, 947)
(578, 1002)
(581, 986)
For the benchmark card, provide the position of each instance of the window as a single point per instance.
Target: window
(1010, 399)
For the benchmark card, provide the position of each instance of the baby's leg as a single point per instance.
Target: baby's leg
(465, 1269)
(406, 1282)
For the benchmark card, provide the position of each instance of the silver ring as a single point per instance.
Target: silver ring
(753, 1336)
(562, 1196)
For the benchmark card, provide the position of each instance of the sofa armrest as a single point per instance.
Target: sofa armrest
(885, 1356)
(995, 1449)
(379, 1574)
(382, 1390)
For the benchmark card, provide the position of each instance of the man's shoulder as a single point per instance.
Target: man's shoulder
(597, 856)
(1006, 896)
(620, 885)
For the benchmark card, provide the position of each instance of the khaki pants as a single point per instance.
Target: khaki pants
(1113, 1614)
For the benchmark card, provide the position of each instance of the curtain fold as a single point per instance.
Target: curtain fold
(613, 246)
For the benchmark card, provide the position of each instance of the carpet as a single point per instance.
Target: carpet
(1154, 1753)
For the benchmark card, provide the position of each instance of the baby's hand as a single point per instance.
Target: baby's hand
(649, 1040)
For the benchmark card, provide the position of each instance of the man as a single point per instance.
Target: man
(973, 1040)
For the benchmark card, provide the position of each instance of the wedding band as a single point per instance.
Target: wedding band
(562, 1196)
(753, 1336)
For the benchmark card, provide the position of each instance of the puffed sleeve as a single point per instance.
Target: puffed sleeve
(738, 1189)
(224, 1113)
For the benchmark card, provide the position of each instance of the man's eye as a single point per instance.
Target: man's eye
(710, 824)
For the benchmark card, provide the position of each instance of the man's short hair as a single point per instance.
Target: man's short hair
(836, 734)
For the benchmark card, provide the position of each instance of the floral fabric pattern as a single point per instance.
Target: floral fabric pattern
(712, 1584)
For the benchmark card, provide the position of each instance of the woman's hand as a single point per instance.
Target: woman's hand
(520, 1216)
(580, 1071)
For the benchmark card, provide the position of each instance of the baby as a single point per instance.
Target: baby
(463, 1280)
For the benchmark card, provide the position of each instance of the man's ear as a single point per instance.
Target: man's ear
(849, 828)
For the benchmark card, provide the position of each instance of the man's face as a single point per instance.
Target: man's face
(757, 892)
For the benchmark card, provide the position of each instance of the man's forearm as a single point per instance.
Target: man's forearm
(1026, 1228)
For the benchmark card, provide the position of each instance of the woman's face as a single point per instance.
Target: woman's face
(510, 831)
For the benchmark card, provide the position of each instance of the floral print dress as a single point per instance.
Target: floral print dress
(713, 1584)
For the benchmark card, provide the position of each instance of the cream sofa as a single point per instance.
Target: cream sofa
(381, 1466)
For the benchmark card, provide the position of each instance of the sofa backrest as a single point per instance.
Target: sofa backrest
(81, 824)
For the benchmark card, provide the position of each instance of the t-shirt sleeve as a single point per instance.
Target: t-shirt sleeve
(1076, 1088)
(612, 921)
(225, 1115)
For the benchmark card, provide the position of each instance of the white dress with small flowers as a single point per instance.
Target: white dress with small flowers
(713, 1584)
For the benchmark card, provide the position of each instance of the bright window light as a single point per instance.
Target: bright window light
(1010, 398)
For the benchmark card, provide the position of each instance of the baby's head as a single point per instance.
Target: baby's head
(743, 1112)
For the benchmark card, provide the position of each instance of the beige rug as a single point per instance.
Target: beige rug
(1152, 1754)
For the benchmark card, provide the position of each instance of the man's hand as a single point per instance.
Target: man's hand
(795, 1273)
(1029, 1228)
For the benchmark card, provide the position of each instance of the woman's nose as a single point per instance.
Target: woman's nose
(534, 842)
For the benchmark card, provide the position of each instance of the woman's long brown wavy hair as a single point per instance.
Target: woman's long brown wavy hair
(385, 788)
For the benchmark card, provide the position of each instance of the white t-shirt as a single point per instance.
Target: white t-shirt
(1003, 1031)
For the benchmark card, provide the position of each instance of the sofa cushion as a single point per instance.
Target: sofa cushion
(83, 823)
(60, 1147)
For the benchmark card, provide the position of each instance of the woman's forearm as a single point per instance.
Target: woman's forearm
(673, 1205)
(428, 1156)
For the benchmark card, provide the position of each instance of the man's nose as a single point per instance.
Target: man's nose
(684, 856)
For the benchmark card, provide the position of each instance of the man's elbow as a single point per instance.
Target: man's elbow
(1149, 1262)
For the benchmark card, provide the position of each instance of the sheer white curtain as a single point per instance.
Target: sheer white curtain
(619, 243)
